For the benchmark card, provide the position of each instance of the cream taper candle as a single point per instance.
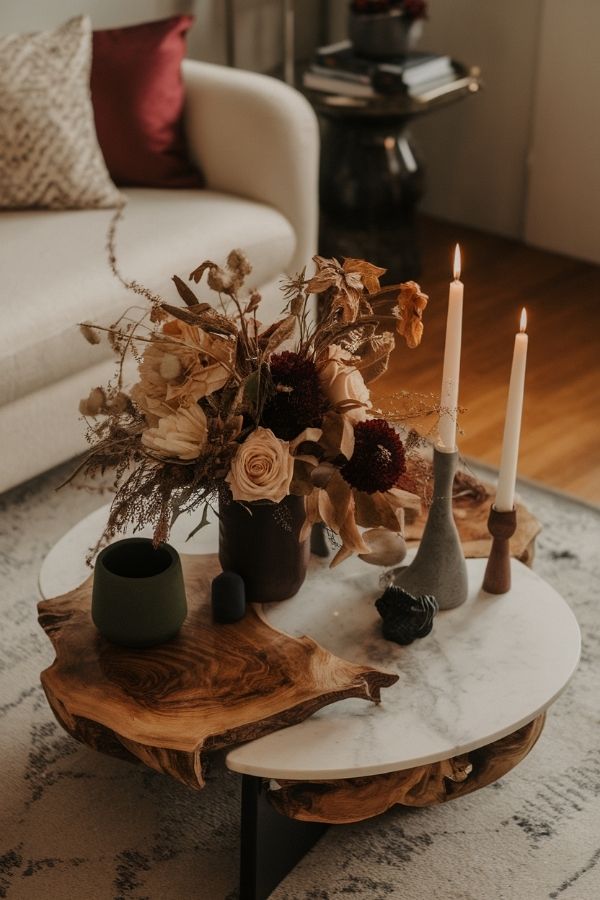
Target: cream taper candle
(451, 373)
(505, 492)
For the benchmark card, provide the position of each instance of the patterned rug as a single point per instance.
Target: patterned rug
(75, 824)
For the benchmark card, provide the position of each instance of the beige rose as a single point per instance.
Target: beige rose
(180, 365)
(262, 468)
(180, 435)
(341, 380)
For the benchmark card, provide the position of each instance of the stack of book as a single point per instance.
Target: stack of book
(337, 70)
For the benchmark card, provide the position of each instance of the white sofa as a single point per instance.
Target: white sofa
(256, 141)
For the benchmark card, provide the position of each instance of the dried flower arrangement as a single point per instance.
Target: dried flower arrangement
(411, 9)
(226, 409)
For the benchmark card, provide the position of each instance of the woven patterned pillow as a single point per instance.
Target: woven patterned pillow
(49, 153)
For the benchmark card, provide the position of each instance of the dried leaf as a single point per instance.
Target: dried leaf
(311, 505)
(197, 274)
(211, 320)
(283, 331)
(254, 302)
(347, 287)
(326, 276)
(181, 313)
(404, 499)
(369, 274)
(353, 341)
(409, 311)
(338, 436)
(309, 436)
(334, 502)
(375, 356)
(251, 387)
(343, 554)
(204, 316)
(185, 292)
(297, 305)
(352, 541)
(321, 474)
(301, 482)
(373, 510)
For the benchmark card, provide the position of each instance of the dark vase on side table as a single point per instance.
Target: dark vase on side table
(260, 542)
(384, 35)
(372, 178)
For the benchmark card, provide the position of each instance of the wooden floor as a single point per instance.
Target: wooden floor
(561, 422)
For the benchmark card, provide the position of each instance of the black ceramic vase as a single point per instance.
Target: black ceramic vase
(260, 542)
(138, 596)
(383, 35)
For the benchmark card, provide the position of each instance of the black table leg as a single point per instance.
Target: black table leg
(271, 844)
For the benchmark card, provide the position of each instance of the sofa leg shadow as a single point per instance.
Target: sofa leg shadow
(271, 844)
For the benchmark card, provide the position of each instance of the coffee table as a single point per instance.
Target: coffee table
(469, 703)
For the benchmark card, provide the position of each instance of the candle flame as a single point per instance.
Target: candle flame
(523, 322)
(457, 263)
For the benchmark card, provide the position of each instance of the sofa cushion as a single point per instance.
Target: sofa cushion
(138, 97)
(55, 271)
(49, 153)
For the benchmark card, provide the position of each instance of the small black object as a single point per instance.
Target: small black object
(318, 540)
(228, 597)
(405, 617)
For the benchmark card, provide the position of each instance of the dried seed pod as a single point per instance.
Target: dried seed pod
(94, 403)
(386, 548)
(89, 333)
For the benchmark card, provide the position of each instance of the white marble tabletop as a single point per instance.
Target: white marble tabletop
(487, 668)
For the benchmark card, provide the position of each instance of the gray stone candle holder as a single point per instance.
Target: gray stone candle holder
(439, 567)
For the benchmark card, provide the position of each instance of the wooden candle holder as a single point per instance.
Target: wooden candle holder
(502, 526)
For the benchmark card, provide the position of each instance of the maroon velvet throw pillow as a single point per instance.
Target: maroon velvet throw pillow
(137, 94)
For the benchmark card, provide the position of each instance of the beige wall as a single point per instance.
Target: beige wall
(258, 23)
(32, 15)
(563, 208)
(477, 150)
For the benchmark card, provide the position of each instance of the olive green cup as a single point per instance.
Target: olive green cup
(138, 595)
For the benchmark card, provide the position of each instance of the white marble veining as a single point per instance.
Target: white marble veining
(487, 668)
(64, 568)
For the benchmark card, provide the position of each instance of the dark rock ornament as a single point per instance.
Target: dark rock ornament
(405, 617)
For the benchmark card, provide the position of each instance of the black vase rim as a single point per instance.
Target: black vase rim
(261, 502)
(169, 557)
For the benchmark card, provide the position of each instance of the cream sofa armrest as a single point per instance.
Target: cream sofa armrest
(255, 137)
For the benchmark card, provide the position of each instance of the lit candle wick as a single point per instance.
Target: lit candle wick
(523, 322)
(457, 263)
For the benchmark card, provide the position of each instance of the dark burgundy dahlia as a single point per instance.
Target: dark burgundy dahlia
(378, 459)
(297, 401)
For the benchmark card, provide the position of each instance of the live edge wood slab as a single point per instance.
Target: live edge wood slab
(211, 687)
(354, 799)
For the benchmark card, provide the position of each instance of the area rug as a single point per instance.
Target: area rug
(76, 824)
